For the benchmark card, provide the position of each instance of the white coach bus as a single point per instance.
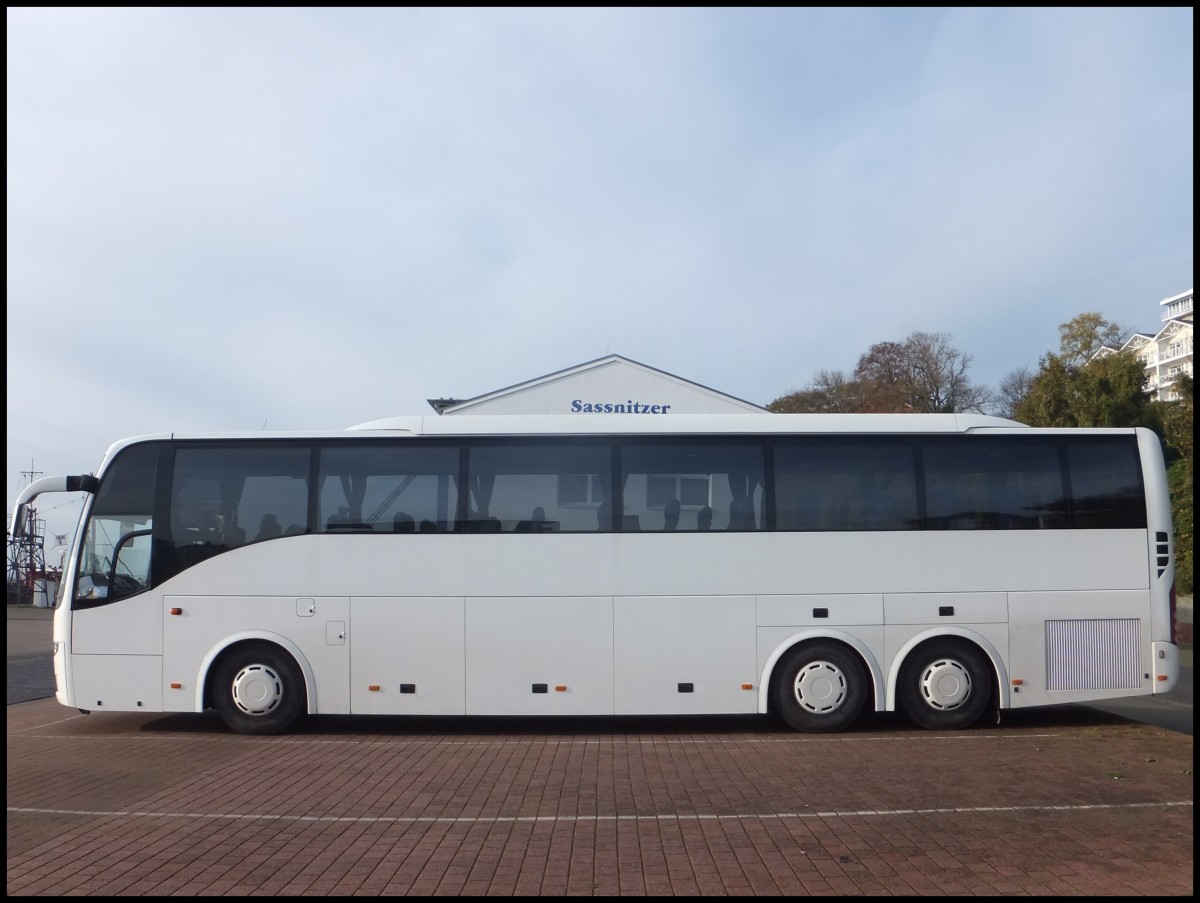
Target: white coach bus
(806, 565)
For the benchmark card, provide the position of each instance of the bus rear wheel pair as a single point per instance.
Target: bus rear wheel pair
(822, 687)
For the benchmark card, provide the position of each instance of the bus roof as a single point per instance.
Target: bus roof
(621, 425)
(651, 424)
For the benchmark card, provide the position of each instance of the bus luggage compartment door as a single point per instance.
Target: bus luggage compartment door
(539, 655)
(683, 655)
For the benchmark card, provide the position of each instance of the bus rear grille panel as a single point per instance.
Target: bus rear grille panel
(1094, 654)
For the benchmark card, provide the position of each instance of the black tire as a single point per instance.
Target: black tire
(945, 685)
(820, 688)
(258, 689)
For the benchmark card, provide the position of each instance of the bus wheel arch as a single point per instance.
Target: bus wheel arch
(257, 687)
(820, 685)
(947, 682)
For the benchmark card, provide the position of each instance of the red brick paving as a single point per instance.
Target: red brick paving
(1050, 803)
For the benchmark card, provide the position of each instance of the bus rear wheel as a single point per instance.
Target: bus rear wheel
(945, 685)
(258, 689)
(820, 688)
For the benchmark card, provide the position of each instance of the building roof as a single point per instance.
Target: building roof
(599, 382)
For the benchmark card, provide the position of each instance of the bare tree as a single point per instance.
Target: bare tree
(1014, 389)
(938, 375)
(830, 392)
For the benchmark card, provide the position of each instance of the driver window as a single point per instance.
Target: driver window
(115, 554)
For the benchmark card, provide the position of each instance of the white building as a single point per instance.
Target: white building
(608, 385)
(1167, 354)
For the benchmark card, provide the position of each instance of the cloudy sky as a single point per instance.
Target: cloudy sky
(225, 219)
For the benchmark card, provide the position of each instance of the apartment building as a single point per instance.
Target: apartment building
(1167, 354)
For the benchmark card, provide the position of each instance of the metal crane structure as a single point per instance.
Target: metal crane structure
(26, 556)
(26, 560)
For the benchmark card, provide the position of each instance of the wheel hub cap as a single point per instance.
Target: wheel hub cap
(820, 688)
(257, 690)
(945, 684)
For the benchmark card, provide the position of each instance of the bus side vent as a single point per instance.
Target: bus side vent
(1093, 654)
(1164, 552)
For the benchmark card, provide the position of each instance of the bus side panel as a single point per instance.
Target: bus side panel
(683, 655)
(1080, 646)
(519, 651)
(317, 626)
(118, 683)
(131, 626)
(945, 608)
(411, 649)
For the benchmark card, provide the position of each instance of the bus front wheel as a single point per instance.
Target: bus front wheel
(258, 689)
(945, 685)
(820, 687)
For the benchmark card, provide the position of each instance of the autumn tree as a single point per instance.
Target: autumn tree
(830, 392)
(884, 373)
(936, 376)
(923, 374)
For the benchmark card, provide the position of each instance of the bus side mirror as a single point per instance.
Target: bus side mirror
(83, 483)
(20, 522)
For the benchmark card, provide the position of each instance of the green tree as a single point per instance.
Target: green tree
(1109, 390)
(1178, 418)
(1080, 339)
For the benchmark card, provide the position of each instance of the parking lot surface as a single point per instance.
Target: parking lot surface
(1067, 801)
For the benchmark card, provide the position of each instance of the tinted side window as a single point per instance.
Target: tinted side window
(388, 488)
(692, 485)
(993, 484)
(539, 487)
(1106, 485)
(845, 484)
(223, 497)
